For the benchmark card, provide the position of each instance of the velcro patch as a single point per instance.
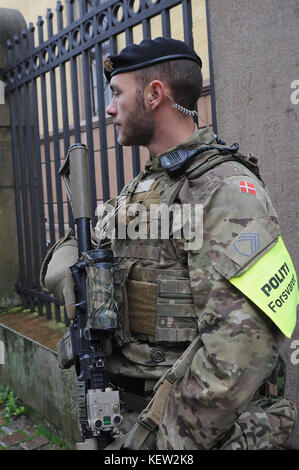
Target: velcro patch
(257, 236)
(144, 186)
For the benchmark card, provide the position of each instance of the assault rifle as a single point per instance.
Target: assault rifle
(95, 317)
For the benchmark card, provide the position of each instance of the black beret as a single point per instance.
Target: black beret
(148, 52)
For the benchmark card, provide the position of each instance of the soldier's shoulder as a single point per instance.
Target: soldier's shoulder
(226, 177)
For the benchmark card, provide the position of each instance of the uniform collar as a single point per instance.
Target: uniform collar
(198, 138)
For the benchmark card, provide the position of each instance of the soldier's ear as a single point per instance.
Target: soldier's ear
(154, 94)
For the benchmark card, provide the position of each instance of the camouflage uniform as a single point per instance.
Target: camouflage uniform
(170, 295)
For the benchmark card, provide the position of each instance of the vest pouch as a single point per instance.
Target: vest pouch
(66, 358)
(123, 334)
(162, 312)
(101, 305)
(176, 315)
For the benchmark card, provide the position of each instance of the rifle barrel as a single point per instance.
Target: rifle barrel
(83, 235)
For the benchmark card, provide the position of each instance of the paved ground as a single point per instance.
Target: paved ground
(22, 434)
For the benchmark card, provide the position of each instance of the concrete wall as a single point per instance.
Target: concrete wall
(255, 58)
(32, 372)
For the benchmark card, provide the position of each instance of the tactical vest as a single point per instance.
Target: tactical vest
(155, 299)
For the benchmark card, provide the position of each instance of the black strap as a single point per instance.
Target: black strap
(179, 161)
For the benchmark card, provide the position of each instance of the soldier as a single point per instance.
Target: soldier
(175, 293)
(205, 304)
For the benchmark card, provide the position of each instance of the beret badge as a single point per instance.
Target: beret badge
(108, 65)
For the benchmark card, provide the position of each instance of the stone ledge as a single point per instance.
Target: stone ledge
(31, 370)
(34, 327)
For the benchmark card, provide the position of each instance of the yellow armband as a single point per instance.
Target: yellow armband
(271, 283)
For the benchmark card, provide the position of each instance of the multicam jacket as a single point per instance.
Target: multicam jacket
(173, 291)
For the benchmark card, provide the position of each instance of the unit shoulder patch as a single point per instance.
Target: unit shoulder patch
(248, 246)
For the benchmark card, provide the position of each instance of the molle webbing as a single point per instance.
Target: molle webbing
(152, 275)
(159, 302)
(162, 311)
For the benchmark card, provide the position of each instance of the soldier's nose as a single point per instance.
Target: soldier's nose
(111, 108)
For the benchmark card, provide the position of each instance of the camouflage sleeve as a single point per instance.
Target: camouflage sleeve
(239, 343)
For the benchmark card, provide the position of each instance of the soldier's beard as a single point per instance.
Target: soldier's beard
(139, 126)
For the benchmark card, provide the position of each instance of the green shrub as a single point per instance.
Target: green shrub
(12, 405)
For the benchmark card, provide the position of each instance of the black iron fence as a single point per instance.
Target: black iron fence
(58, 95)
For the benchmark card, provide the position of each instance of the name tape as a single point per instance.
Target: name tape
(271, 283)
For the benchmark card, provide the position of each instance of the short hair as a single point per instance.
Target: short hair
(183, 77)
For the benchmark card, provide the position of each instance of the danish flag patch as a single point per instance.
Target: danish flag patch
(248, 188)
